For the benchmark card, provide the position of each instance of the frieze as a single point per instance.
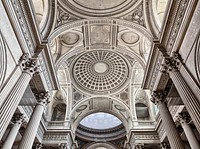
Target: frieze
(23, 24)
(182, 5)
(146, 137)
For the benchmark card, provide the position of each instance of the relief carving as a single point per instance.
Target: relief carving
(64, 17)
(137, 16)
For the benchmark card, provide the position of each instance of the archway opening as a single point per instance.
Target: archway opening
(100, 126)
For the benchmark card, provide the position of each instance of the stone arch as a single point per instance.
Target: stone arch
(85, 111)
(102, 145)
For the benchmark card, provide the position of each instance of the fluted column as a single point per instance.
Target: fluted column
(34, 122)
(63, 146)
(11, 102)
(17, 120)
(159, 98)
(165, 145)
(191, 102)
(184, 119)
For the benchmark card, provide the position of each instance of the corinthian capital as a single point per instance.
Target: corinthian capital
(42, 98)
(183, 117)
(18, 119)
(63, 146)
(139, 146)
(159, 96)
(29, 64)
(171, 63)
(165, 145)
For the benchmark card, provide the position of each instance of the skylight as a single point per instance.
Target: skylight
(100, 120)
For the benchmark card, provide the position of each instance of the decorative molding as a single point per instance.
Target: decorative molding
(23, 24)
(177, 21)
(146, 137)
(197, 57)
(3, 60)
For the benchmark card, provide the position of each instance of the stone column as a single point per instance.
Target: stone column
(34, 121)
(171, 66)
(184, 119)
(11, 102)
(17, 120)
(159, 98)
(63, 146)
(165, 145)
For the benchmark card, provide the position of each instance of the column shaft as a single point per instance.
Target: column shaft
(190, 136)
(32, 127)
(34, 121)
(11, 137)
(170, 127)
(9, 106)
(190, 101)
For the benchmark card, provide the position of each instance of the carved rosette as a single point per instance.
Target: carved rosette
(29, 65)
(42, 98)
(165, 145)
(159, 96)
(18, 119)
(171, 63)
(183, 117)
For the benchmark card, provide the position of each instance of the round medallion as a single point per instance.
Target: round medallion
(70, 38)
(130, 37)
(100, 71)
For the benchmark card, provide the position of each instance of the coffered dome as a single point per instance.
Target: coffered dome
(100, 71)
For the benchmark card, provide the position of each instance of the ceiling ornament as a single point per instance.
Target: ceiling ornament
(70, 38)
(137, 16)
(100, 71)
(64, 17)
(130, 38)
